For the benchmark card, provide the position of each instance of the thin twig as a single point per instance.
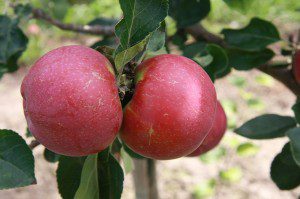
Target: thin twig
(95, 29)
(33, 144)
(200, 33)
(284, 75)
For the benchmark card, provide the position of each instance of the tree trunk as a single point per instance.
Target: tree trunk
(144, 175)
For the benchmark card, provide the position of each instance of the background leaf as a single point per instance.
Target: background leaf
(294, 136)
(51, 156)
(266, 127)
(13, 43)
(16, 161)
(132, 153)
(246, 60)
(188, 12)
(239, 5)
(211, 57)
(23, 11)
(194, 49)
(127, 161)
(284, 170)
(296, 109)
(219, 62)
(256, 36)
(157, 39)
(103, 22)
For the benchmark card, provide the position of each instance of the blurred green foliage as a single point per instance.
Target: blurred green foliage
(264, 80)
(284, 11)
(231, 175)
(213, 155)
(238, 81)
(247, 149)
(204, 189)
(230, 108)
(83, 11)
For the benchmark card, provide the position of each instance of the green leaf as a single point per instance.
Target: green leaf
(246, 60)
(247, 149)
(108, 52)
(125, 56)
(13, 43)
(294, 136)
(284, 170)
(140, 19)
(106, 41)
(88, 188)
(128, 164)
(194, 50)
(256, 36)
(28, 133)
(132, 153)
(110, 176)
(51, 156)
(179, 39)
(219, 62)
(68, 175)
(239, 5)
(23, 11)
(188, 12)
(266, 126)
(296, 109)
(211, 57)
(224, 72)
(116, 146)
(16, 161)
(157, 39)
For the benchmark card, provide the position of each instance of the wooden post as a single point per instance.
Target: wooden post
(144, 175)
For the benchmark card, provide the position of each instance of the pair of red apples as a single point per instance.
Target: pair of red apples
(71, 104)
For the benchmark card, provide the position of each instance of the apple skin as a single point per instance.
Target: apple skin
(215, 134)
(296, 66)
(172, 108)
(71, 102)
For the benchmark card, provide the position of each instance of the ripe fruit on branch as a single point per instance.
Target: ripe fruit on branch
(172, 109)
(70, 101)
(296, 66)
(215, 134)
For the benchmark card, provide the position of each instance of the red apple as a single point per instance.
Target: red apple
(215, 134)
(296, 66)
(71, 102)
(172, 109)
